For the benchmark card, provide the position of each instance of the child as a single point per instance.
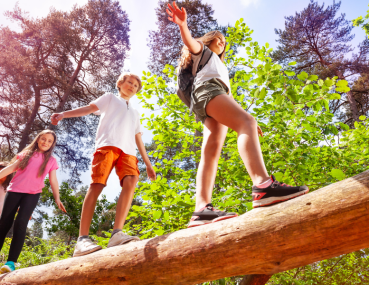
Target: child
(32, 165)
(215, 107)
(118, 132)
(4, 183)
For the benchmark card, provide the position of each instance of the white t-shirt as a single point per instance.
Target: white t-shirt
(119, 123)
(215, 68)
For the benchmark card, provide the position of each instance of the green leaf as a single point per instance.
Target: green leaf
(156, 215)
(313, 77)
(341, 83)
(338, 174)
(362, 118)
(262, 93)
(292, 63)
(289, 73)
(302, 76)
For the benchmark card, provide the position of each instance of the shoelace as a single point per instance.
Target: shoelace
(276, 183)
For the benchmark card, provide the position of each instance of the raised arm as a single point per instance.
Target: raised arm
(55, 187)
(141, 148)
(179, 17)
(79, 112)
(9, 169)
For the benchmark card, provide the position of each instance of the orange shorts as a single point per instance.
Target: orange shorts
(105, 158)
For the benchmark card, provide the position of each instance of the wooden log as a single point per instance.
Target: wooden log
(329, 222)
(255, 279)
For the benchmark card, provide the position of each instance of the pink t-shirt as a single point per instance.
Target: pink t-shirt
(26, 180)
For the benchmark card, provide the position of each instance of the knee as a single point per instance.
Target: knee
(130, 180)
(249, 123)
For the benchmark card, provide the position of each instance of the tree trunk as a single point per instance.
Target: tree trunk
(326, 223)
(30, 121)
(351, 99)
(255, 279)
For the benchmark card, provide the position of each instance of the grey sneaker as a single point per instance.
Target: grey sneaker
(85, 246)
(121, 238)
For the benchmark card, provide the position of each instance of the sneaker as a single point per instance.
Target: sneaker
(7, 267)
(275, 192)
(85, 246)
(207, 215)
(121, 238)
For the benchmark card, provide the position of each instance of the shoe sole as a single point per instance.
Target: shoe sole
(5, 269)
(274, 200)
(201, 223)
(125, 241)
(87, 252)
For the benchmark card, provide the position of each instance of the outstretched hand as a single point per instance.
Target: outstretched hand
(60, 205)
(176, 15)
(56, 117)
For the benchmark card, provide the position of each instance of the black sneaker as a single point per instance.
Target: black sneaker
(276, 192)
(208, 215)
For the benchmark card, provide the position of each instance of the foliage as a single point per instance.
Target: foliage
(59, 62)
(39, 251)
(360, 21)
(68, 223)
(318, 40)
(352, 268)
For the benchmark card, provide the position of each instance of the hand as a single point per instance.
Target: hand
(177, 15)
(60, 205)
(150, 172)
(56, 117)
(260, 132)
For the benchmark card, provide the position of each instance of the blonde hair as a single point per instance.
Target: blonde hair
(125, 75)
(32, 148)
(185, 60)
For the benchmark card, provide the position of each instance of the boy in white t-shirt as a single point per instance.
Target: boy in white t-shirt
(118, 133)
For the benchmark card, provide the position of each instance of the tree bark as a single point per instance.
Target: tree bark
(30, 120)
(255, 279)
(326, 223)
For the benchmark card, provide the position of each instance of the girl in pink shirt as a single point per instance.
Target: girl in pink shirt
(31, 166)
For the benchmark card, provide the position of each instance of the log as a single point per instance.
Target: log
(331, 221)
(255, 279)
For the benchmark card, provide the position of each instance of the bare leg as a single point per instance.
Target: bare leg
(125, 200)
(88, 207)
(226, 111)
(214, 136)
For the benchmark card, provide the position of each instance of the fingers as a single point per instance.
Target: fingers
(61, 207)
(176, 7)
(169, 13)
(170, 8)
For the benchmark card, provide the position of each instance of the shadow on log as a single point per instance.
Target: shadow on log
(331, 221)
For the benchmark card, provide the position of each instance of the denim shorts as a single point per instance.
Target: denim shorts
(203, 93)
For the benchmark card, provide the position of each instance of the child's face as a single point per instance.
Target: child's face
(45, 142)
(129, 87)
(217, 45)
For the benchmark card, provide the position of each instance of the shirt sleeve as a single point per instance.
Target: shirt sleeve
(54, 165)
(102, 103)
(138, 124)
(196, 58)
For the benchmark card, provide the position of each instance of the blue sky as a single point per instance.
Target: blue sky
(263, 16)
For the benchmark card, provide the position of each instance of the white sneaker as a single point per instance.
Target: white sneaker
(85, 246)
(121, 238)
